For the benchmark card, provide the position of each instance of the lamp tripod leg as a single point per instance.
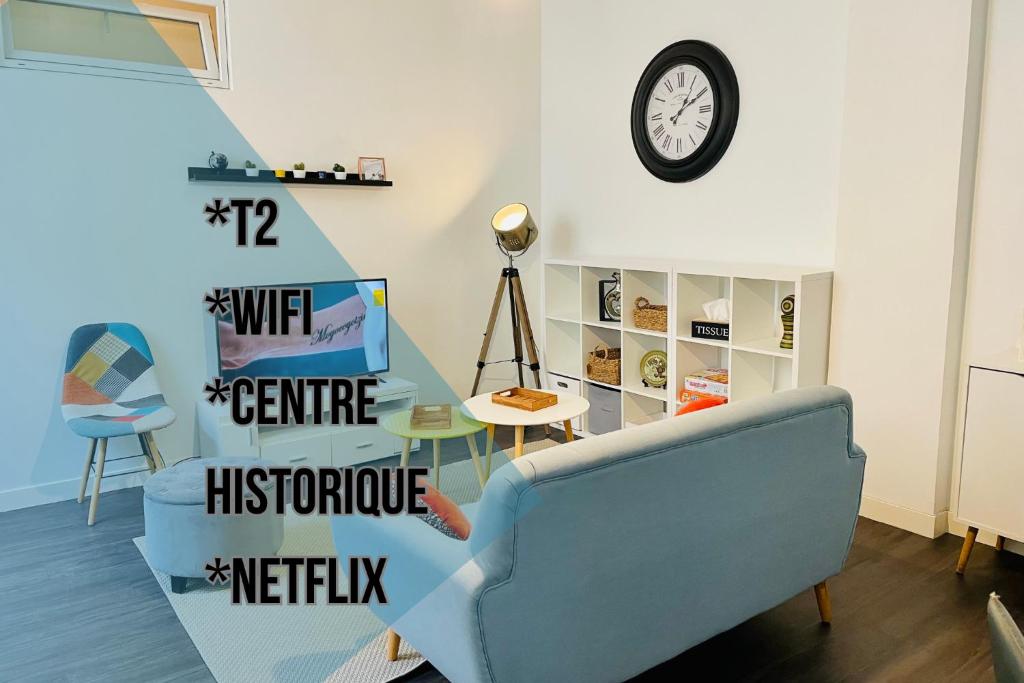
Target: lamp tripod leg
(495, 307)
(527, 328)
(517, 338)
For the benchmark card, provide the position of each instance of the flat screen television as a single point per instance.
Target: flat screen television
(349, 336)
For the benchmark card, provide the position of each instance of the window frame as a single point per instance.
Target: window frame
(215, 77)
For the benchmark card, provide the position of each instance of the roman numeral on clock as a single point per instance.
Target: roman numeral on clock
(692, 140)
(702, 125)
(666, 143)
(659, 131)
(668, 85)
(681, 79)
(705, 109)
(656, 117)
(679, 145)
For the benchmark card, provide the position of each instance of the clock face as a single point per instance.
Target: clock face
(684, 113)
(680, 111)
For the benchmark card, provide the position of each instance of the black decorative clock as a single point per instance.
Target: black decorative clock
(685, 110)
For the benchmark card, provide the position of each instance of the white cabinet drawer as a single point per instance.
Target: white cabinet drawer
(362, 444)
(560, 383)
(305, 450)
(992, 463)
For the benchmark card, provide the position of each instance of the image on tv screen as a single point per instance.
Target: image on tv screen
(349, 336)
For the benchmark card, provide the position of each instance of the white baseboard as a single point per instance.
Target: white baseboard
(914, 521)
(55, 491)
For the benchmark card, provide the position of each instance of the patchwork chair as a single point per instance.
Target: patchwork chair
(110, 389)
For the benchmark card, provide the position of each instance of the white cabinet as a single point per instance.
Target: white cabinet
(991, 494)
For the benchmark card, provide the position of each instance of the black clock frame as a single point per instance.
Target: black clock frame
(725, 88)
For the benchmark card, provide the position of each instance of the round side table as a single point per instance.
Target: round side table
(481, 408)
(462, 425)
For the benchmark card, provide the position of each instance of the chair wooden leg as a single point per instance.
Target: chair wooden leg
(965, 551)
(146, 454)
(154, 451)
(95, 502)
(85, 472)
(824, 602)
(394, 640)
(1000, 543)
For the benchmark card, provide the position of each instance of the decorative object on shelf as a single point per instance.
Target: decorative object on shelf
(708, 382)
(648, 316)
(685, 109)
(217, 162)
(431, 416)
(250, 169)
(700, 403)
(339, 172)
(372, 168)
(524, 399)
(787, 307)
(514, 232)
(609, 302)
(299, 170)
(715, 324)
(654, 369)
(279, 173)
(604, 365)
(690, 396)
(322, 175)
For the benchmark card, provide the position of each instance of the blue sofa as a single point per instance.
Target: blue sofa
(599, 559)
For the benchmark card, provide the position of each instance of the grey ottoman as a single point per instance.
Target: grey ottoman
(181, 538)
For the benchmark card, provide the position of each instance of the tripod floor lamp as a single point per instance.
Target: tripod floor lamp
(514, 232)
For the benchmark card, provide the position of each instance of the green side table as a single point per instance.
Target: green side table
(462, 425)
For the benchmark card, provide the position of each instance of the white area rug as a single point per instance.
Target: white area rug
(308, 643)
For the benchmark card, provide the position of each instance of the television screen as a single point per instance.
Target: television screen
(349, 334)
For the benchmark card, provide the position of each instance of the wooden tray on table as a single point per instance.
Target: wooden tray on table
(524, 399)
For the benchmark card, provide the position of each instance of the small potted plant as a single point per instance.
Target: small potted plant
(250, 169)
(339, 172)
(299, 170)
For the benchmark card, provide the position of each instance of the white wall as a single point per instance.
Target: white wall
(909, 137)
(100, 222)
(772, 198)
(447, 92)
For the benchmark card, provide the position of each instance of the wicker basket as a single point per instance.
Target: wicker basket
(605, 365)
(648, 316)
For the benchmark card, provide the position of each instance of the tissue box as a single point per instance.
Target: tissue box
(712, 382)
(709, 329)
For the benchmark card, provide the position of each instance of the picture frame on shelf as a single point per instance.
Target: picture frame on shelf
(372, 168)
(609, 299)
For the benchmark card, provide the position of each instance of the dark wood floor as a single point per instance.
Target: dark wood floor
(79, 604)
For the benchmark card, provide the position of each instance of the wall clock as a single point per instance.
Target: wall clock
(685, 110)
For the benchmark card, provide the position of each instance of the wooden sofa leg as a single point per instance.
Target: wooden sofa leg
(1000, 543)
(824, 602)
(394, 640)
(965, 551)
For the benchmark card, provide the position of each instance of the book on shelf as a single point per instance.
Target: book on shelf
(711, 381)
(431, 417)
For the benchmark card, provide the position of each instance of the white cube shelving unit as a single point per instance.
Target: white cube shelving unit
(757, 365)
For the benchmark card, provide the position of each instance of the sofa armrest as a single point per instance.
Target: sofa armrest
(419, 558)
(857, 452)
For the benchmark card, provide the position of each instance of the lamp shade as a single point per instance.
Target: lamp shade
(514, 227)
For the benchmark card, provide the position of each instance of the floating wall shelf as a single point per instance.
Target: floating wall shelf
(237, 175)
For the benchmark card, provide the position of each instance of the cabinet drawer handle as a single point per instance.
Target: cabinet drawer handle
(562, 384)
(365, 444)
(298, 458)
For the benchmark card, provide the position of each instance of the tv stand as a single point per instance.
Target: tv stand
(311, 445)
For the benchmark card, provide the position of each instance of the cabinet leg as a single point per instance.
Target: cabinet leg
(965, 551)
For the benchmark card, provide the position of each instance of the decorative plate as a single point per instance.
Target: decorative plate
(654, 369)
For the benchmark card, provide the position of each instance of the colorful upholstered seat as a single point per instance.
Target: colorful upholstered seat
(110, 386)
